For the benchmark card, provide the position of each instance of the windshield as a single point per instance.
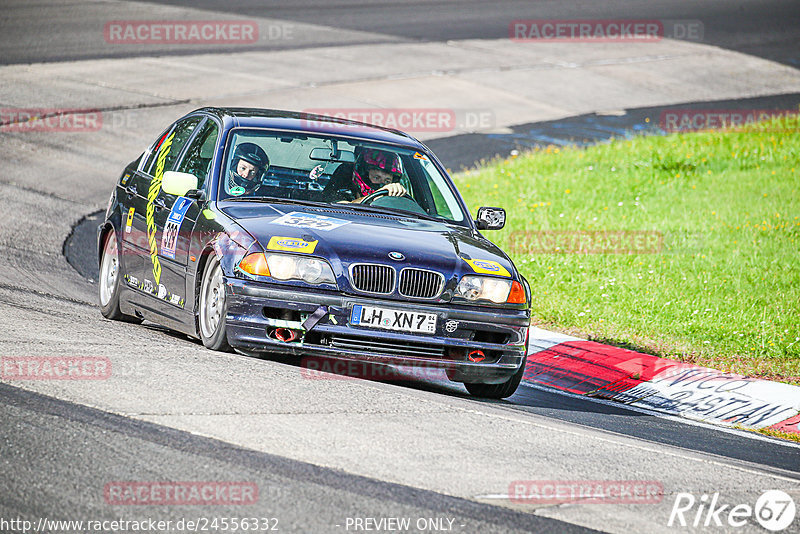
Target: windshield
(301, 167)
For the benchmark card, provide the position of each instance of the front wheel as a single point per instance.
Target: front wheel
(213, 331)
(498, 391)
(109, 281)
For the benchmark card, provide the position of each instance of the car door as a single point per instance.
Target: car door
(133, 199)
(177, 222)
(150, 208)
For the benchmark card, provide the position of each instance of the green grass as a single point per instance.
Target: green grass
(722, 290)
(779, 434)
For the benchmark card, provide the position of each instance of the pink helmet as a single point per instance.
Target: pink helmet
(381, 159)
(386, 161)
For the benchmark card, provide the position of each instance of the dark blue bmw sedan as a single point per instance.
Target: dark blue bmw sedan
(278, 232)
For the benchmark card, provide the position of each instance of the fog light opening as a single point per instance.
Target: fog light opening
(456, 353)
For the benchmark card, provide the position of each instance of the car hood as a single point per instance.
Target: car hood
(345, 236)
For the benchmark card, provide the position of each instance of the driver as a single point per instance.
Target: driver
(248, 165)
(375, 170)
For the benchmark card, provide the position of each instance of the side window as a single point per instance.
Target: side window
(182, 132)
(441, 204)
(197, 159)
(151, 156)
(444, 202)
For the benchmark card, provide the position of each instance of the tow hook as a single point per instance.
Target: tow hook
(287, 335)
(476, 356)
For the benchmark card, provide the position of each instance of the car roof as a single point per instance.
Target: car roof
(309, 122)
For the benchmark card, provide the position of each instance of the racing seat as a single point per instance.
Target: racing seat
(340, 186)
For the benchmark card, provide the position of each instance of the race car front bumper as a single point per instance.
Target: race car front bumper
(470, 344)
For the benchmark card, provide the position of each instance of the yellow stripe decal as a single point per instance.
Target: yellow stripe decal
(152, 193)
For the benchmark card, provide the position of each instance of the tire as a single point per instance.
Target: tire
(109, 281)
(212, 308)
(498, 391)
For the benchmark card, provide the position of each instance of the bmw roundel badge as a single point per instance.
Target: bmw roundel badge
(396, 256)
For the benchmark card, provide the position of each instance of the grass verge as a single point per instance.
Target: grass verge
(684, 246)
(779, 434)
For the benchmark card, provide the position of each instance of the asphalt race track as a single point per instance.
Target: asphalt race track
(326, 451)
(764, 28)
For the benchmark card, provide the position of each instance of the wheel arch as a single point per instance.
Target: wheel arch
(202, 261)
(105, 228)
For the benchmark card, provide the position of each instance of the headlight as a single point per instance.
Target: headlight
(282, 267)
(311, 270)
(288, 267)
(483, 287)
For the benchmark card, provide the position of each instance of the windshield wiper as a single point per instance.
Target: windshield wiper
(277, 200)
(374, 209)
(397, 211)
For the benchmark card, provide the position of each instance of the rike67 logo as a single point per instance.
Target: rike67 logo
(774, 510)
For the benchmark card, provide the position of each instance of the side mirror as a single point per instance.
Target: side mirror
(490, 218)
(178, 183)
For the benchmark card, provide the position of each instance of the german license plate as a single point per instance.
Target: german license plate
(403, 321)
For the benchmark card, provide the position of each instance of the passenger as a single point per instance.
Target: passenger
(248, 165)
